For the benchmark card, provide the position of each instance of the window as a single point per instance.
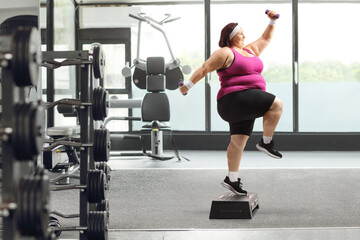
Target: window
(329, 69)
(186, 38)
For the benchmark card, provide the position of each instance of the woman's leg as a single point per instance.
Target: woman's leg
(270, 120)
(234, 154)
(271, 117)
(235, 151)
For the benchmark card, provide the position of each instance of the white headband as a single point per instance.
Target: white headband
(233, 33)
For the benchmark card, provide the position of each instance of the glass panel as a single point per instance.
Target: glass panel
(277, 57)
(64, 13)
(186, 38)
(60, 120)
(118, 125)
(115, 61)
(329, 83)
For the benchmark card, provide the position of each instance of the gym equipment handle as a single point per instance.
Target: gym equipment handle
(136, 17)
(181, 84)
(277, 15)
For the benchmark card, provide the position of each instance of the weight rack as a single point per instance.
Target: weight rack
(90, 69)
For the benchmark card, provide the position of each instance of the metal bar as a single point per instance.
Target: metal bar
(125, 103)
(83, 55)
(78, 47)
(207, 77)
(60, 214)
(50, 88)
(295, 65)
(138, 41)
(84, 118)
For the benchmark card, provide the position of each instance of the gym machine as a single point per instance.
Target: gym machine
(25, 192)
(155, 76)
(93, 145)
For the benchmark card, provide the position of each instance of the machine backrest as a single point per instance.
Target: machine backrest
(155, 106)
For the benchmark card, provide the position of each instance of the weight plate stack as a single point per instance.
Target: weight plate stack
(100, 104)
(102, 145)
(98, 60)
(28, 133)
(27, 56)
(33, 212)
(97, 226)
(103, 206)
(96, 186)
(105, 168)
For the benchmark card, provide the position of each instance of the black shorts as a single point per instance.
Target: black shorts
(241, 108)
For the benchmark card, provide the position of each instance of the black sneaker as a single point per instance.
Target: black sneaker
(235, 187)
(268, 149)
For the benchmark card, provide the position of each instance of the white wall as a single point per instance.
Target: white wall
(108, 17)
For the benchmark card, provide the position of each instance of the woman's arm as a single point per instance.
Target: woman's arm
(219, 59)
(258, 46)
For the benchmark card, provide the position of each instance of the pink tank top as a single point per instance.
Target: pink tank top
(244, 73)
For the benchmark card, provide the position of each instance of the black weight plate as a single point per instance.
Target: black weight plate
(27, 230)
(90, 186)
(102, 185)
(105, 168)
(20, 142)
(108, 145)
(23, 78)
(36, 206)
(102, 145)
(97, 223)
(32, 124)
(95, 106)
(105, 104)
(173, 77)
(26, 122)
(42, 203)
(20, 217)
(92, 189)
(139, 78)
(17, 131)
(98, 61)
(17, 51)
(101, 102)
(103, 206)
(91, 231)
(35, 56)
(24, 205)
(96, 145)
(27, 58)
(37, 122)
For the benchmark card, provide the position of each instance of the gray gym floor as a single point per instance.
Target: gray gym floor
(212, 165)
(251, 160)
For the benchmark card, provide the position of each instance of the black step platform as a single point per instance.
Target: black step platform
(232, 206)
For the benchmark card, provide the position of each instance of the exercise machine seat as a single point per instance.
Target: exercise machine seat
(155, 106)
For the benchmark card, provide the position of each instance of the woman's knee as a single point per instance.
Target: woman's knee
(239, 140)
(277, 105)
